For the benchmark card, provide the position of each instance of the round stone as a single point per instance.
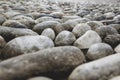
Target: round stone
(103, 31)
(26, 44)
(88, 39)
(42, 19)
(65, 38)
(80, 29)
(26, 20)
(99, 50)
(49, 33)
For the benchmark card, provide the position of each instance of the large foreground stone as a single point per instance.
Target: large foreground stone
(101, 69)
(26, 44)
(58, 59)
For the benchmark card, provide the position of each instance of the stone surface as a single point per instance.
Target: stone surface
(28, 21)
(99, 16)
(65, 38)
(80, 29)
(88, 39)
(117, 49)
(82, 13)
(69, 25)
(50, 18)
(57, 14)
(98, 70)
(11, 14)
(9, 33)
(49, 33)
(103, 31)
(2, 19)
(117, 19)
(115, 78)
(56, 26)
(94, 24)
(14, 24)
(52, 60)
(42, 19)
(40, 78)
(109, 15)
(116, 26)
(99, 50)
(26, 44)
(112, 40)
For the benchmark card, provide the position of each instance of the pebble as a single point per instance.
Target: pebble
(65, 38)
(80, 29)
(112, 40)
(88, 39)
(103, 31)
(20, 46)
(99, 50)
(69, 25)
(9, 33)
(42, 19)
(116, 26)
(56, 26)
(94, 24)
(99, 16)
(28, 21)
(109, 15)
(49, 33)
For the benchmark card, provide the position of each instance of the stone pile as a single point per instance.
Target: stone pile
(59, 41)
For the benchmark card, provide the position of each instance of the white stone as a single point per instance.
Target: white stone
(89, 38)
